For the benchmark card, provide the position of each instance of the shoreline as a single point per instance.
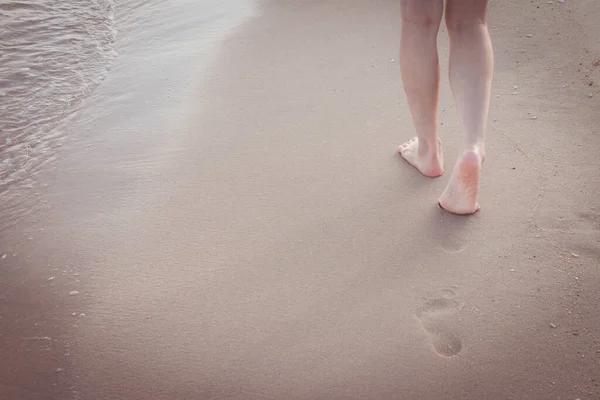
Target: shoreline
(46, 242)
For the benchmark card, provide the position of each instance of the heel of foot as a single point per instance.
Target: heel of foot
(460, 197)
(460, 210)
(469, 165)
(434, 171)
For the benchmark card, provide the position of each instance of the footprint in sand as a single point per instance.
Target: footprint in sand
(439, 318)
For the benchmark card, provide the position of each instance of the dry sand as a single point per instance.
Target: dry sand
(276, 246)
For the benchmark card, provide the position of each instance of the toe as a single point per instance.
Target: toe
(404, 145)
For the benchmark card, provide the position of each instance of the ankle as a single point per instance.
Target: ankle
(478, 148)
(430, 148)
(472, 153)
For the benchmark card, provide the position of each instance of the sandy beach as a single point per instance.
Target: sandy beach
(244, 229)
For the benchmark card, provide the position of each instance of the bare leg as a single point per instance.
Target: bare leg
(419, 67)
(471, 70)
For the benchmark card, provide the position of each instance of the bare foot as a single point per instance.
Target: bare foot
(429, 161)
(460, 196)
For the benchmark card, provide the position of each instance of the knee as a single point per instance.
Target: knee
(422, 13)
(458, 22)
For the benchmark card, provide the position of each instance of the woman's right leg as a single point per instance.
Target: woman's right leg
(471, 70)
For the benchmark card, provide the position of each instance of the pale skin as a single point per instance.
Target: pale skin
(470, 69)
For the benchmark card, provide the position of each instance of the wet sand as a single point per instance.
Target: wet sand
(264, 241)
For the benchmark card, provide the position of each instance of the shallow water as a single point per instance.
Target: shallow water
(55, 54)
